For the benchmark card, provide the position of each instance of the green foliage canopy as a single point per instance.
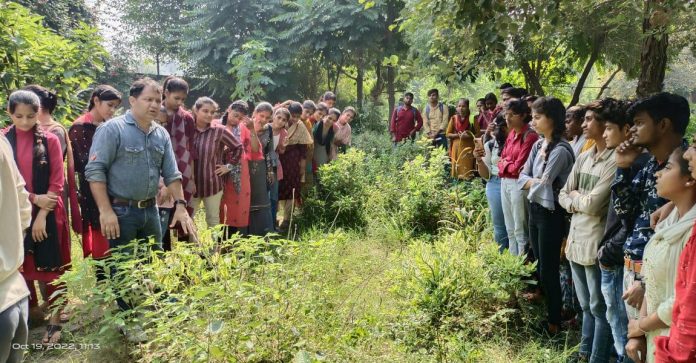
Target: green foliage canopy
(31, 53)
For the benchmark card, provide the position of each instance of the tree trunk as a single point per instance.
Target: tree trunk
(328, 78)
(653, 56)
(339, 68)
(390, 89)
(359, 86)
(597, 45)
(606, 84)
(379, 84)
(157, 61)
(532, 79)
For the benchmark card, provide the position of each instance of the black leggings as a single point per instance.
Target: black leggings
(546, 229)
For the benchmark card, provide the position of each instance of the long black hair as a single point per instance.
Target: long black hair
(104, 92)
(519, 107)
(239, 106)
(554, 109)
(174, 84)
(26, 97)
(48, 99)
(500, 136)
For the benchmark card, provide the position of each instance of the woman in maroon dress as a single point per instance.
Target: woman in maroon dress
(293, 162)
(40, 161)
(182, 129)
(102, 105)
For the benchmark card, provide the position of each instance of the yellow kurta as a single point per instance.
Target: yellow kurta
(461, 151)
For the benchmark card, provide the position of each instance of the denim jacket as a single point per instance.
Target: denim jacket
(131, 161)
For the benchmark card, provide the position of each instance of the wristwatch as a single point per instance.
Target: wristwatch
(181, 201)
(229, 166)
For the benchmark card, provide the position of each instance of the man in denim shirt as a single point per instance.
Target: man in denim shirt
(127, 158)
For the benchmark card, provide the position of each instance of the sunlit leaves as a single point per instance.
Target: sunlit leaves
(31, 53)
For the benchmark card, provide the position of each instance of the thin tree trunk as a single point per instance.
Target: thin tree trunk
(328, 77)
(606, 84)
(653, 56)
(390, 89)
(359, 86)
(379, 84)
(338, 75)
(596, 47)
(157, 60)
(532, 78)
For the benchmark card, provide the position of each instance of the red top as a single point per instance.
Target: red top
(516, 151)
(680, 345)
(25, 152)
(405, 120)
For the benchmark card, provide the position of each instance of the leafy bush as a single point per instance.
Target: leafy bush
(457, 289)
(339, 199)
(32, 53)
(370, 119)
(402, 186)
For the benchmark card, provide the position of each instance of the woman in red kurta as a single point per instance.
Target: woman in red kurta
(40, 161)
(236, 196)
(102, 105)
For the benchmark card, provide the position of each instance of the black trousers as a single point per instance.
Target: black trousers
(546, 232)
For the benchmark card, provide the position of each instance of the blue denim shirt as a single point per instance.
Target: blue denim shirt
(131, 161)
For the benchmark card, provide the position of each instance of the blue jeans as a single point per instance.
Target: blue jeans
(612, 290)
(496, 207)
(14, 331)
(135, 224)
(596, 333)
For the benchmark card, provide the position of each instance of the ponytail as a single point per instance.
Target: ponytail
(174, 84)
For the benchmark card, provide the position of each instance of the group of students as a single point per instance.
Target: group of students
(608, 191)
(141, 175)
(457, 133)
(601, 196)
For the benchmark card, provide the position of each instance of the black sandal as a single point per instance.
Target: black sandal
(50, 330)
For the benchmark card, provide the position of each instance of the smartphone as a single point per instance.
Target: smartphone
(478, 142)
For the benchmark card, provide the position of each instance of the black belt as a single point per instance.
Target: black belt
(140, 204)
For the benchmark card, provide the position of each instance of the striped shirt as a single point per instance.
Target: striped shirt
(209, 145)
(591, 177)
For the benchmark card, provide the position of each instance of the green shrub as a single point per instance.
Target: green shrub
(457, 289)
(339, 199)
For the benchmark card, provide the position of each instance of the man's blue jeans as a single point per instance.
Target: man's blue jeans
(495, 205)
(596, 333)
(612, 290)
(135, 224)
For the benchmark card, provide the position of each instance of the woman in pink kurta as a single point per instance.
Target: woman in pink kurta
(40, 162)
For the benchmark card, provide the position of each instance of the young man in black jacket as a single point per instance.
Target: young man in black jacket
(611, 250)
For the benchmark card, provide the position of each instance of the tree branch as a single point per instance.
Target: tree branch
(606, 84)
